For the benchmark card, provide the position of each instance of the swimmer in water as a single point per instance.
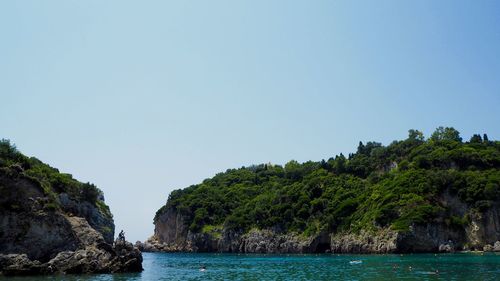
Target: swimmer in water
(203, 268)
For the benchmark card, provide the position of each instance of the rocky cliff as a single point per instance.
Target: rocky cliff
(482, 232)
(173, 235)
(51, 223)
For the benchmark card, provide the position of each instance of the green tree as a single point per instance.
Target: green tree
(339, 164)
(415, 135)
(446, 134)
(293, 170)
(7, 150)
(476, 139)
(361, 148)
(485, 138)
(89, 192)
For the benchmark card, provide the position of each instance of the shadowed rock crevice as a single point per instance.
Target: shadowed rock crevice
(323, 248)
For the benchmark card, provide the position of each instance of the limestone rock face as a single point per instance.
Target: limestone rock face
(50, 232)
(431, 238)
(171, 228)
(103, 224)
(484, 227)
(481, 231)
(172, 235)
(25, 221)
(255, 241)
(266, 241)
(384, 241)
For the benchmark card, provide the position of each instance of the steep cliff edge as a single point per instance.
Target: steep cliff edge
(51, 223)
(481, 233)
(415, 195)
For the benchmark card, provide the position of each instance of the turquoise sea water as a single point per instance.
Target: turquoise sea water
(175, 266)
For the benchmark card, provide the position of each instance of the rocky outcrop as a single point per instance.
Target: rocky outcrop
(99, 258)
(42, 232)
(492, 248)
(93, 255)
(19, 264)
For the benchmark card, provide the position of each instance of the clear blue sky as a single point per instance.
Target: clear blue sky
(143, 97)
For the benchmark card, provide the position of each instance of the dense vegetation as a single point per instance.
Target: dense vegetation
(378, 186)
(50, 179)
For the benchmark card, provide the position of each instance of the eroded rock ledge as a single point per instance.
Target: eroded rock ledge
(122, 257)
(93, 255)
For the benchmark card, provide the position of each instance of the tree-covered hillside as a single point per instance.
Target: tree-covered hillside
(378, 186)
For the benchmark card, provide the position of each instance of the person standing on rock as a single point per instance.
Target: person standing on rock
(121, 236)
